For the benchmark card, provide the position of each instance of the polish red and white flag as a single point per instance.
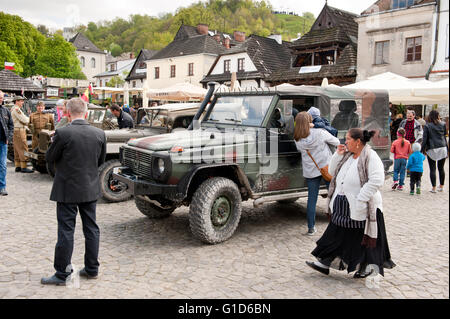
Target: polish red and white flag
(9, 65)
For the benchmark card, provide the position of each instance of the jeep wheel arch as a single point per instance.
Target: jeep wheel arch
(191, 181)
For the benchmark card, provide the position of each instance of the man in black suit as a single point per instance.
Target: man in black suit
(77, 151)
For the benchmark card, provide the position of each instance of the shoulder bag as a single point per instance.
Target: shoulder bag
(324, 170)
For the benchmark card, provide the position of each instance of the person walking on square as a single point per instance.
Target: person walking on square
(436, 148)
(401, 149)
(77, 151)
(356, 235)
(6, 134)
(20, 136)
(413, 129)
(316, 141)
(415, 166)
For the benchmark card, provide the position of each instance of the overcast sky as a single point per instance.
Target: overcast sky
(56, 14)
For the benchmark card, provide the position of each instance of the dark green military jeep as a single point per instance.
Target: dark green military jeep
(240, 147)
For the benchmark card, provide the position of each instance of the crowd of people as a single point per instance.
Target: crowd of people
(355, 239)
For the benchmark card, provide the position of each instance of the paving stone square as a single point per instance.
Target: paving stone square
(143, 258)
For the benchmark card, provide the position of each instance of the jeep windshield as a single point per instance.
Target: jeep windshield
(248, 110)
(155, 118)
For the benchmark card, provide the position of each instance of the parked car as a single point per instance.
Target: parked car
(153, 121)
(29, 107)
(97, 116)
(235, 154)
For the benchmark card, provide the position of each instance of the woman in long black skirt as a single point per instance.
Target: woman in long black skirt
(356, 238)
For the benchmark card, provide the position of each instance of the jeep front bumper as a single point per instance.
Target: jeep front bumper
(136, 186)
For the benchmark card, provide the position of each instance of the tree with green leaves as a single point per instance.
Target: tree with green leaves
(58, 59)
(33, 53)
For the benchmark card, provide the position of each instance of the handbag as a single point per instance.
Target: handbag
(324, 170)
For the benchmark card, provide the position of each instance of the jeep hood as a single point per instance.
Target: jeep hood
(190, 139)
(125, 134)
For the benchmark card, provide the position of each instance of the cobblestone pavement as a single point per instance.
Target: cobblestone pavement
(143, 258)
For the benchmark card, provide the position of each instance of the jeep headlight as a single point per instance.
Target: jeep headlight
(161, 166)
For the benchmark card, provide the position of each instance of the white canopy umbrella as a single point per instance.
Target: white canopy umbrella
(178, 92)
(404, 90)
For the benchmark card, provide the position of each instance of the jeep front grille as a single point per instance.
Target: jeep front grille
(139, 162)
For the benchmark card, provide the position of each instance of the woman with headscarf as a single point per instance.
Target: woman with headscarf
(356, 235)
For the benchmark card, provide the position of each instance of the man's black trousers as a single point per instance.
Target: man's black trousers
(66, 214)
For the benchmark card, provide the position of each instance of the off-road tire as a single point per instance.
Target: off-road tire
(287, 201)
(201, 210)
(104, 172)
(40, 166)
(151, 210)
(50, 169)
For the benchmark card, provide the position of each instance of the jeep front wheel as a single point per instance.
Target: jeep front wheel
(151, 209)
(215, 210)
(112, 190)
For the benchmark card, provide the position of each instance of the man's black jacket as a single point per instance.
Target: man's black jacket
(125, 120)
(77, 151)
(6, 125)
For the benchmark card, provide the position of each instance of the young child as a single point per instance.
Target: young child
(321, 122)
(401, 149)
(415, 166)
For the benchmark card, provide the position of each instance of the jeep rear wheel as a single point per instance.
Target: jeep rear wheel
(112, 190)
(39, 165)
(215, 210)
(151, 209)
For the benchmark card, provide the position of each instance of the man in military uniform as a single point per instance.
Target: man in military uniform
(40, 121)
(20, 135)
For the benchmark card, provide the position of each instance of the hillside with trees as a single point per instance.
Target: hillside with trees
(154, 33)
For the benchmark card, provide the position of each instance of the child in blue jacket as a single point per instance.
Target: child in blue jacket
(321, 122)
(415, 166)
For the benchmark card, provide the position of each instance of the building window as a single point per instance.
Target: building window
(113, 67)
(226, 66)
(413, 49)
(142, 65)
(191, 69)
(157, 72)
(82, 62)
(398, 4)
(382, 52)
(93, 63)
(172, 71)
(241, 64)
(134, 84)
(101, 83)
